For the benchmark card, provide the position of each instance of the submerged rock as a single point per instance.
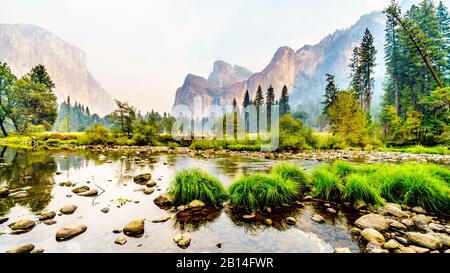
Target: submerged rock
(135, 227)
(27, 248)
(268, 222)
(69, 232)
(47, 215)
(50, 222)
(424, 240)
(151, 183)
(69, 209)
(37, 250)
(149, 191)
(3, 220)
(374, 221)
(372, 235)
(22, 225)
(105, 210)
(142, 178)
(182, 241)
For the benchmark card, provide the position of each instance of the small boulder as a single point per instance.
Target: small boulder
(151, 183)
(391, 244)
(408, 223)
(69, 209)
(195, 204)
(22, 225)
(37, 250)
(249, 216)
(105, 210)
(317, 218)
(372, 235)
(397, 225)
(268, 222)
(374, 221)
(90, 193)
(331, 210)
(47, 215)
(342, 250)
(149, 191)
(69, 232)
(355, 231)
(161, 220)
(3, 220)
(395, 210)
(419, 249)
(4, 191)
(436, 227)
(27, 248)
(424, 240)
(291, 221)
(164, 200)
(421, 221)
(183, 241)
(19, 194)
(135, 227)
(121, 240)
(80, 189)
(142, 178)
(50, 222)
(419, 210)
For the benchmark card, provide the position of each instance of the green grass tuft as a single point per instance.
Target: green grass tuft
(328, 186)
(194, 184)
(257, 191)
(289, 171)
(358, 189)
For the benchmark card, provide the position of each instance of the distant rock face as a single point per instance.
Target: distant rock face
(302, 71)
(24, 46)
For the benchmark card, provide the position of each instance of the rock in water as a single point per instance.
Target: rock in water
(161, 220)
(424, 240)
(317, 218)
(50, 222)
(291, 221)
(151, 183)
(164, 200)
(395, 210)
(342, 250)
(121, 240)
(419, 210)
(182, 241)
(4, 191)
(268, 222)
(249, 216)
(135, 227)
(372, 235)
(22, 249)
(90, 193)
(374, 221)
(37, 250)
(142, 178)
(149, 191)
(3, 220)
(69, 209)
(80, 189)
(22, 224)
(69, 232)
(195, 204)
(392, 244)
(105, 210)
(47, 215)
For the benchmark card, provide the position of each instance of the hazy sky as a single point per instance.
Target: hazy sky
(141, 50)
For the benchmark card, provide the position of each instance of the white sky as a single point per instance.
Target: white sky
(141, 50)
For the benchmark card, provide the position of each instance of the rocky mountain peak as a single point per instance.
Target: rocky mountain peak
(224, 74)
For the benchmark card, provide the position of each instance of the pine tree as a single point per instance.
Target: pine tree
(285, 108)
(259, 101)
(331, 93)
(368, 57)
(270, 102)
(356, 73)
(39, 75)
(246, 103)
(247, 100)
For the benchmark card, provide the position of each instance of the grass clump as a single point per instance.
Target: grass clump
(358, 189)
(415, 185)
(205, 144)
(327, 185)
(194, 184)
(257, 191)
(289, 171)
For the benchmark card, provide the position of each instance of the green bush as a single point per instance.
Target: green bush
(358, 189)
(244, 147)
(194, 184)
(257, 191)
(173, 145)
(327, 185)
(289, 171)
(97, 134)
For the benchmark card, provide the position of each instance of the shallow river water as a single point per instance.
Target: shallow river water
(39, 175)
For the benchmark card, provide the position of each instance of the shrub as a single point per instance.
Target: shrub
(326, 184)
(289, 171)
(358, 189)
(205, 144)
(173, 145)
(97, 134)
(257, 191)
(194, 184)
(62, 136)
(244, 147)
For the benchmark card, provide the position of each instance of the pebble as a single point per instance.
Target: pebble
(317, 218)
(121, 240)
